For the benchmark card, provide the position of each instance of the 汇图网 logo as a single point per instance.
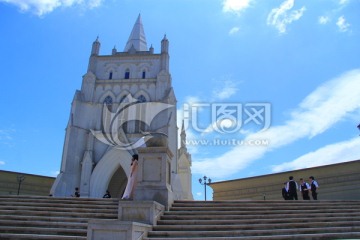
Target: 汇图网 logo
(130, 109)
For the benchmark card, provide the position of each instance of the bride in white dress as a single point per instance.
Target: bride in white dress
(131, 184)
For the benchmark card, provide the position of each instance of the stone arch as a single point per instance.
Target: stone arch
(106, 94)
(121, 96)
(143, 93)
(106, 168)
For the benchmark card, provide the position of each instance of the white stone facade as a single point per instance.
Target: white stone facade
(90, 163)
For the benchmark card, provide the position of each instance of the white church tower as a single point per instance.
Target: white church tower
(126, 105)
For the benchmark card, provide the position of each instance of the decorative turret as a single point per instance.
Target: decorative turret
(165, 45)
(165, 54)
(94, 53)
(183, 136)
(114, 50)
(137, 37)
(95, 47)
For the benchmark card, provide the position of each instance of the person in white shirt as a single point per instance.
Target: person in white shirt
(304, 189)
(314, 186)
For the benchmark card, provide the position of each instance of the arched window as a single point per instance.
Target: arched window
(110, 75)
(108, 101)
(143, 74)
(127, 74)
(141, 98)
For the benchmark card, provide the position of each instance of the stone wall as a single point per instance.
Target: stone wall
(337, 182)
(32, 184)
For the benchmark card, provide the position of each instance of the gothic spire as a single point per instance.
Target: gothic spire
(137, 37)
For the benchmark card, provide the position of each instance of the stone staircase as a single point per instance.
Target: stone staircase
(215, 220)
(34, 217)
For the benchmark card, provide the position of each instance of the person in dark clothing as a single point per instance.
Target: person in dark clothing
(107, 194)
(304, 189)
(314, 186)
(285, 194)
(291, 188)
(77, 193)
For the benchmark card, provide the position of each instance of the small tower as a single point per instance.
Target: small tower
(95, 50)
(165, 54)
(95, 47)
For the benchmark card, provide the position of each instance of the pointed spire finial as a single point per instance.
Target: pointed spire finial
(137, 37)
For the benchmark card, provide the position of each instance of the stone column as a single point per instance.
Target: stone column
(154, 175)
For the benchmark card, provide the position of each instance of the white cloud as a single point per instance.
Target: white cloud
(42, 7)
(283, 16)
(2, 163)
(235, 6)
(320, 110)
(6, 136)
(226, 89)
(54, 173)
(342, 24)
(324, 19)
(330, 154)
(234, 30)
(342, 2)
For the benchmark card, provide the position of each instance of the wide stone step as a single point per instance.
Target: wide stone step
(61, 204)
(172, 216)
(256, 221)
(58, 209)
(198, 227)
(262, 212)
(262, 208)
(53, 224)
(59, 214)
(317, 236)
(243, 233)
(262, 202)
(46, 218)
(14, 198)
(43, 230)
(6, 236)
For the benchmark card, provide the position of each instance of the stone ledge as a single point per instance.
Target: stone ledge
(116, 230)
(147, 212)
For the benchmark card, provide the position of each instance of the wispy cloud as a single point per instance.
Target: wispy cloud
(282, 16)
(6, 136)
(234, 30)
(323, 20)
(342, 24)
(319, 111)
(226, 89)
(235, 6)
(343, 2)
(330, 154)
(54, 173)
(42, 7)
(2, 163)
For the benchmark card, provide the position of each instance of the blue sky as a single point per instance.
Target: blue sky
(300, 58)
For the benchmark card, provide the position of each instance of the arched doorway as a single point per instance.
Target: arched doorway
(112, 170)
(117, 183)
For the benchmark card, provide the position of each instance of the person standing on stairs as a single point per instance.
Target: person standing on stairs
(304, 189)
(285, 194)
(314, 186)
(131, 184)
(291, 188)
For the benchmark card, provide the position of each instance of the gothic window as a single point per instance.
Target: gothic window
(108, 101)
(110, 75)
(127, 74)
(143, 74)
(141, 98)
